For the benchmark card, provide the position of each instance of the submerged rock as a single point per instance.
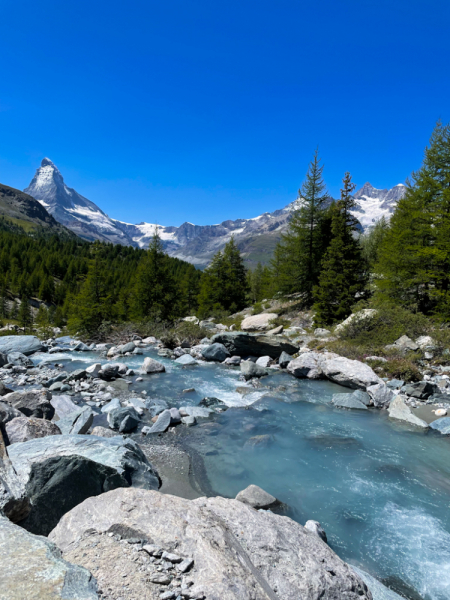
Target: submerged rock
(250, 369)
(347, 401)
(441, 425)
(239, 553)
(33, 569)
(256, 497)
(186, 360)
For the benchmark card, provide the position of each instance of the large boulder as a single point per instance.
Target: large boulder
(349, 373)
(250, 369)
(380, 395)
(260, 322)
(306, 365)
(26, 344)
(215, 352)
(243, 344)
(378, 590)
(403, 345)
(442, 425)
(22, 429)
(19, 360)
(238, 553)
(186, 360)
(4, 390)
(152, 366)
(347, 401)
(77, 422)
(123, 419)
(33, 569)
(58, 472)
(398, 409)
(256, 497)
(420, 390)
(8, 413)
(63, 405)
(33, 403)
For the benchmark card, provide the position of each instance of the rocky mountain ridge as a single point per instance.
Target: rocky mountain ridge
(256, 237)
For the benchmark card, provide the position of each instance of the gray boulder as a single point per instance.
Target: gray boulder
(347, 401)
(22, 429)
(316, 528)
(108, 371)
(4, 390)
(103, 432)
(349, 373)
(8, 413)
(380, 395)
(3, 359)
(152, 366)
(284, 359)
(186, 360)
(403, 344)
(398, 409)
(363, 397)
(239, 553)
(56, 379)
(442, 425)
(420, 390)
(130, 347)
(34, 403)
(81, 347)
(26, 344)
(78, 422)
(199, 412)
(36, 571)
(254, 344)
(76, 375)
(155, 406)
(112, 404)
(20, 360)
(63, 405)
(306, 365)
(378, 590)
(162, 424)
(264, 361)
(215, 352)
(117, 416)
(59, 472)
(257, 497)
(250, 369)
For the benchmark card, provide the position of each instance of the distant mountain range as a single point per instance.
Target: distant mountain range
(197, 244)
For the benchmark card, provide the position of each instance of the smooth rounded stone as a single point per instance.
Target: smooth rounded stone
(442, 425)
(378, 590)
(199, 412)
(26, 344)
(398, 409)
(189, 421)
(116, 416)
(56, 387)
(58, 472)
(420, 390)
(103, 432)
(403, 344)
(320, 333)
(258, 442)
(19, 359)
(347, 401)
(4, 390)
(185, 360)
(108, 371)
(254, 344)
(264, 361)
(63, 405)
(113, 351)
(152, 366)
(234, 361)
(81, 347)
(250, 369)
(316, 528)
(77, 423)
(8, 413)
(380, 395)
(239, 553)
(363, 397)
(22, 429)
(257, 498)
(129, 347)
(276, 330)
(349, 373)
(284, 360)
(259, 322)
(36, 571)
(306, 365)
(215, 352)
(94, 370)
(162, 423)
(33, 403)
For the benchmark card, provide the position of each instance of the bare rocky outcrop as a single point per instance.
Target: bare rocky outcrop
(239, 343)
(260, 322)
(238, 553)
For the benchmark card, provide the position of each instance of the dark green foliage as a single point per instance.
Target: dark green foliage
(372, 240)
(25, 316)
(298, 258)
(344, 273)
(224, 283)
(414, 259)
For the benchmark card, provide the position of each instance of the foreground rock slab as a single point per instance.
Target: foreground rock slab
(398, 409)
(26, 344)
(32, 569)
(58, 472)
(23, 429)
(258, 322)
(239, 553)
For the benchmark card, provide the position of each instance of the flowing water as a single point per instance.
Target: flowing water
(380, 489)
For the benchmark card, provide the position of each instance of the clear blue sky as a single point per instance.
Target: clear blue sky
(201, 111)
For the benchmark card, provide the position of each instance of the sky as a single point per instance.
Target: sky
(204, 111)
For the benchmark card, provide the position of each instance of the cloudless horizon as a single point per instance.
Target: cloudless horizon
(202, 112)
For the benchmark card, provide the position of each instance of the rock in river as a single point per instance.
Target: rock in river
(349, 373)
(152, 366)
(239, 343)
(215, 352)
(26, 344)
(239, 553)
(255, 496)
(398, 409)
(250, 369)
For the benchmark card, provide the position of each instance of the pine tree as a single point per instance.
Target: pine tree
(344, 273)
(3, 300)
(414, 258)
(256, 283)
(301, 248)
(155, 293)
(25, 316)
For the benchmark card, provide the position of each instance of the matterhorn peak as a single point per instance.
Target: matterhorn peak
(46, 162)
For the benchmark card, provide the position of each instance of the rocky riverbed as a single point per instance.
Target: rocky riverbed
(78, 421)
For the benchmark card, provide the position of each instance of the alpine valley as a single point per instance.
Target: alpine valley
(256, 237)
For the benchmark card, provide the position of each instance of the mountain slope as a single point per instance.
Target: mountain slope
(256, 237)
(21, 209)
(71, 209)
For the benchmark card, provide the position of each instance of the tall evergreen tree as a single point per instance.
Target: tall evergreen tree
(414, 259)
(301, 247)
(25, 316)
(155, 293)
(344, 272)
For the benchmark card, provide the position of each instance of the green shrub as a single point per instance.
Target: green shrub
(257, 308)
